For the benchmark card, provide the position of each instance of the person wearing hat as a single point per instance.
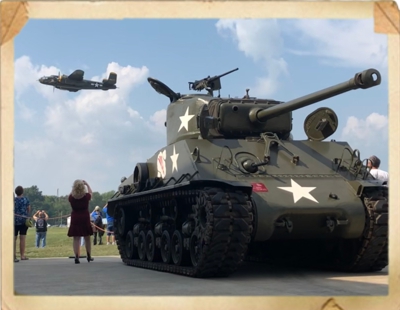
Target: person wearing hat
(22, 208)
(97, 220)
(373, 163)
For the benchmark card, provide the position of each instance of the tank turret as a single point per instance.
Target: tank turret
(202, 115)
(183, 109)
(233, 118)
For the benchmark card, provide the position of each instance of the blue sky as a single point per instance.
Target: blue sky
(100, 136)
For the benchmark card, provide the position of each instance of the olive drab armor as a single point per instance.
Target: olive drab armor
(232, 185)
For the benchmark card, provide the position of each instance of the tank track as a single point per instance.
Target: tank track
(372, 249)
(221, 219)
(368, 254)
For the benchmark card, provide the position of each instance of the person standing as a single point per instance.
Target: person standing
(96, 219)
(22, 208)
(41, 219)
(110, 226)
(80, 218)
(373, 163)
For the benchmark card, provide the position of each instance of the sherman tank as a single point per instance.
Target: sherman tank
(232, 185)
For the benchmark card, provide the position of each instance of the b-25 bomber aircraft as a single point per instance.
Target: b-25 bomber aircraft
(75, 82)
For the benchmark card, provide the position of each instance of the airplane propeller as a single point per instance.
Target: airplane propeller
(59, 76)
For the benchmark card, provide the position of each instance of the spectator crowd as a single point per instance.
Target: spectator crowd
(83, 224)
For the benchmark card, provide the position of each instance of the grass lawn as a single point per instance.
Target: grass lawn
(58, 244)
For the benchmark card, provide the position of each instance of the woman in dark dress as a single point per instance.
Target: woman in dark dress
(80, 219)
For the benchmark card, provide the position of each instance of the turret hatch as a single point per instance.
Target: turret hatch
(321, 124)
(163, 89)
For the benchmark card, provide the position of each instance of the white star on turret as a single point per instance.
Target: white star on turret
(299, 191)
(185, 120)
(174, 158)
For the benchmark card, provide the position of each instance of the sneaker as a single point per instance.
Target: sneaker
(113, 243)
(108, 243)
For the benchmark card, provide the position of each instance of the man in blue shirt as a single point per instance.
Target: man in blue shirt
(110, 227)
(22, 208)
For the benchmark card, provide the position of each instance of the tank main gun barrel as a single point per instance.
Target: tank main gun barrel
(365, 79)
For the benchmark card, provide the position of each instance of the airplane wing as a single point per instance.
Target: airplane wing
(77, 75)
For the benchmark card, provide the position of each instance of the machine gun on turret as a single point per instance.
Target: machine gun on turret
(209, 83)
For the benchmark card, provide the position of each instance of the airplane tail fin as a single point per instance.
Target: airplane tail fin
(112, 79)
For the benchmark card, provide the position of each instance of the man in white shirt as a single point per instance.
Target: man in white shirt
(374, 163)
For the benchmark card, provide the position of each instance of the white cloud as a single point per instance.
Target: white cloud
(369, 136)
(336, 43)
(261, 40)
(24, 111)
(158, 119)
(341, 43)
(367, 131)
(94, 134)
(26, 76)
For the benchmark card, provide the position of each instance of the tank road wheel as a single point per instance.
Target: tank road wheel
(130, 248)
(121, 221)
(196, 249)
(116, 218)
(200, 236)
(178, 253)
(200, 211)
(152, 252)
(209, 240)
(140, 176)
(142, 245)
(166, 247)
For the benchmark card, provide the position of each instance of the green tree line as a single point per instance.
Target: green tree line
(57, 207)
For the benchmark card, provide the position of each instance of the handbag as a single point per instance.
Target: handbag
(29, 222)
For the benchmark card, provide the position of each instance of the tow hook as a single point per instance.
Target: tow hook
(330, 224)
(285, 223)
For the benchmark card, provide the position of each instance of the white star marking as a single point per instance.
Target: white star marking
(299, 192)
(174, 158)
(185, 120)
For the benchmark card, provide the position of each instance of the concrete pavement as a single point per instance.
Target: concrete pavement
(108, 276)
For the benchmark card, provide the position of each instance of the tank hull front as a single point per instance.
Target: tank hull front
(303, 208)
(291, 201)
